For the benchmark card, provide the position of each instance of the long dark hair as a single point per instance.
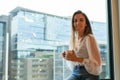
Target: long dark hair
(87, 30)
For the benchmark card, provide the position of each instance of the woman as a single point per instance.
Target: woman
(84, 55)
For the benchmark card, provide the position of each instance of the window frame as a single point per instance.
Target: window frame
(110, 39)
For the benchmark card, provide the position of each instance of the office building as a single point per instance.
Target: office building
(4, 46)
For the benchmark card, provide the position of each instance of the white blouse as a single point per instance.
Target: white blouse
(89, 50)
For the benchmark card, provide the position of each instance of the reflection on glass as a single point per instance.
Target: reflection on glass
(37, 42)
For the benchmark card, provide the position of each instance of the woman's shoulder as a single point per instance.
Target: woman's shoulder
(90, 36)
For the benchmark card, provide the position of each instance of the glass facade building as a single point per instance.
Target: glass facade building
(4, 46)
(33, 32)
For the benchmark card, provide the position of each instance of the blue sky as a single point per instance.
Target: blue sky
(95, 9)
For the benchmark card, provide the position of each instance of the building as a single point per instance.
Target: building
(4, 43)
(37, 69)
(31, 31)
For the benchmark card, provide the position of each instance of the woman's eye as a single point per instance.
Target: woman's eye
(81, 20)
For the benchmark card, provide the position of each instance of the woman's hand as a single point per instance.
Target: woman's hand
(70, 55)
(63, 54)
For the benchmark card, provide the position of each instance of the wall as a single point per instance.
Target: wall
(116, 36)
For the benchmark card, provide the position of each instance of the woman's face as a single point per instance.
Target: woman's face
(79, 23)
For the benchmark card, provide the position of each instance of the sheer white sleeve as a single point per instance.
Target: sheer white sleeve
(93, 63)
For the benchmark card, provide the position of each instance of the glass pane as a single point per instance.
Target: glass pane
(39, 34)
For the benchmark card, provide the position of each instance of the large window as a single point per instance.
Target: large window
(39, 33)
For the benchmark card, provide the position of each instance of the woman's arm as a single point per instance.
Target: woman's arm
(93, 63)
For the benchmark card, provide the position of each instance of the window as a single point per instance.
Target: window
(38, 36)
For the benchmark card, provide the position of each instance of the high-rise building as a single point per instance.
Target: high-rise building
(32, 31)
(4, 46)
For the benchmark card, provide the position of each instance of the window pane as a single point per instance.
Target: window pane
(39, 35)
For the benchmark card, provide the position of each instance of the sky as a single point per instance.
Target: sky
(94, 9)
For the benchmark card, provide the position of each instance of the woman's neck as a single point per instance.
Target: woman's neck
(80, 35)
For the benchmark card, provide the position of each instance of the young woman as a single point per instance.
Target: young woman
(84, 56)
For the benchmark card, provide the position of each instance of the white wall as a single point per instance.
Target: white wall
(116, 36)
